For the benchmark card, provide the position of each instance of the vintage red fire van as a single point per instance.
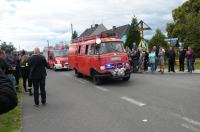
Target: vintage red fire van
(57, 58)
(100, 57)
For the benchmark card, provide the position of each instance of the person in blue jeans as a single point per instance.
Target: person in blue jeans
(189, 56)
(152, 60)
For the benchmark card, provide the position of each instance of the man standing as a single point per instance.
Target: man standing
(146, 60)
(182, 60)
(189, 56)
(171, 61)
(38, 74)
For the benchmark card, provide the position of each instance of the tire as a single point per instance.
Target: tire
(126, 78)
(77, 74)
(96, 80)
(54, 68)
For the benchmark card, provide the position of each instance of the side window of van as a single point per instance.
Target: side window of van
(87, 49)
(79, 50)
(52, 55)
(91, 49)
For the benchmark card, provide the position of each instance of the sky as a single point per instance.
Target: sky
(30, 23)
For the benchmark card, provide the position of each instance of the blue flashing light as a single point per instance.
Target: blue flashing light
(108, 65)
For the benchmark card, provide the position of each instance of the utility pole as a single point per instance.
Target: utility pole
(72, 29)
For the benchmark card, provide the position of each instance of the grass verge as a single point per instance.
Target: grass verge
(12, 121)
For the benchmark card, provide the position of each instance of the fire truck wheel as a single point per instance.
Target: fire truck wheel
(126, 78)
(96, 80)
(77, 74)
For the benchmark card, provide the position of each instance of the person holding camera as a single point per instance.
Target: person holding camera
(9, 59)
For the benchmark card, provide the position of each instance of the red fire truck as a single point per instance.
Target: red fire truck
(57, 58)
(100, 57)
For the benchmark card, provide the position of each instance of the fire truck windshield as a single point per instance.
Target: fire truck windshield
(110, 47)
(60, 53)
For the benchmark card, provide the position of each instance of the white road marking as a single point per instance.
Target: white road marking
(190, 127)
(101, 88)
(81, 81)
(138, 103)
(145, 120)
(191, 121)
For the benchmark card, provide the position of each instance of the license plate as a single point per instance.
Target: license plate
(115, 58)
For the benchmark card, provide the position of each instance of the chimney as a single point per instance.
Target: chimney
(114, 27)
(96, 25)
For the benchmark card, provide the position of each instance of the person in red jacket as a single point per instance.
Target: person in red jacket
(189, 56)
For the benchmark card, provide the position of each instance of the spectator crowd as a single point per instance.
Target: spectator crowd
(158, 57)
(31, 69)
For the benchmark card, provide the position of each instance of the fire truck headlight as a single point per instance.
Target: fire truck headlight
(127, 65)
(102, 67)
(58, 62)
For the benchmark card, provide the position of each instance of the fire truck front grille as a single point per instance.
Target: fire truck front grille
(113, 66)
(119, 65)
(63, 62)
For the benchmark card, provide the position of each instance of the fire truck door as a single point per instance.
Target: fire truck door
(89, 58)
(80, 59)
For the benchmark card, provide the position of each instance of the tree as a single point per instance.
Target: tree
(186, 25)
(133, 35)
(158, 40)
(74, 35)
(5, 46)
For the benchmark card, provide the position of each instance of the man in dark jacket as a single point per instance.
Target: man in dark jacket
(171, 59)
(17, 70)
(38, 74)
(8, 97)
(182, 60)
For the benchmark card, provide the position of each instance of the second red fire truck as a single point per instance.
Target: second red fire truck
(100, 57)
(57, 58)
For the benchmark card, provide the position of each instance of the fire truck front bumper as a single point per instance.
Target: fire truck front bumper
(114, 74)
(60, 66)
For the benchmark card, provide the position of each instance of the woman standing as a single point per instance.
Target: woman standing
(25, 74)
(161, 55)
(152, 59)
(141, 60)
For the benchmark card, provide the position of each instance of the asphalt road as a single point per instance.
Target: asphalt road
(147, 103)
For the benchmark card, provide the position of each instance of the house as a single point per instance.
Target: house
(94, 30)
(120, 32)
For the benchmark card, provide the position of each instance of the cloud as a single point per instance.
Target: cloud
(31, 23)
